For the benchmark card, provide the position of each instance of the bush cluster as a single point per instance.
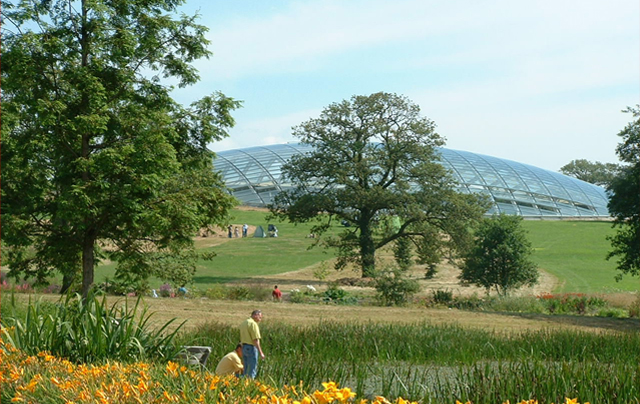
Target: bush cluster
(570, 303)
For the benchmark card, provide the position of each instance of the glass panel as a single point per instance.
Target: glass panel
(254, 175)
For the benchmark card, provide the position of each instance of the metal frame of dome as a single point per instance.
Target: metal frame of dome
(254, 177)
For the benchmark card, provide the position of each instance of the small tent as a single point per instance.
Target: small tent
(259, 232)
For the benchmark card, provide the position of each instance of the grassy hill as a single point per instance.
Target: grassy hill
(572, 251)
(575, 252)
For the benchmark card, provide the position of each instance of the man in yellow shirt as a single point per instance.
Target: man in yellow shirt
(250, 339)
(231, 363)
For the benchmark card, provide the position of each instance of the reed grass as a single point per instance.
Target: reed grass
(432, 363)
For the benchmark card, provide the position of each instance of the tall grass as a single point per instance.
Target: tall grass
(87, 331)
(431, 363)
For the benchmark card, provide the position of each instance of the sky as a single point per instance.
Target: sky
(541, 82)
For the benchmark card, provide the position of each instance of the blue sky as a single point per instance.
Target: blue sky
(541, 82)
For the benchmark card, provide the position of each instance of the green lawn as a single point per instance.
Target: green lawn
(243, 258)
(575, 252)
(251, 256)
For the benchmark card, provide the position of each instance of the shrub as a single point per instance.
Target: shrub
(442, 297)
(634, 308)
(499, 257)
(571, 303)
(334, 293)
(259, 293)
(238, 293)
(612, 312)
(338, 296)
(394, 288)
(515, 305)
(296, 296)
(321, 271)
(469, 302)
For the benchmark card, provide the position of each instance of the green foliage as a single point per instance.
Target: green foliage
(97, 160)
(394, 288)
(499, 257)
(442, 297)
(634, 308)
(321, 271)
(624, 203)
(572, 303)
(336, 295)
(593, 172)
(333, 292)
(613, 312)
(402, 253)
(88, 331)
(123, 285)
(511, 304)
(374, 161)
(238, 292)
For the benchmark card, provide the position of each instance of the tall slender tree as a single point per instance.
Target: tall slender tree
(624, 203)
(375, 160)
(97, 159)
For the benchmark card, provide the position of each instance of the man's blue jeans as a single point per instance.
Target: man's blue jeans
(250, 361)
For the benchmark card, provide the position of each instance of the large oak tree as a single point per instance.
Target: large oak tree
(374, 165)
(97, 159)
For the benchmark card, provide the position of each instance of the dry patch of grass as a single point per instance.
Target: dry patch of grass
(200, 311)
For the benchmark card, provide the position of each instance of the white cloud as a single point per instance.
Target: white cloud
(301, 37)
(540, 82)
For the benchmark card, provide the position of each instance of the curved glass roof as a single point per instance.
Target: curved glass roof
(253, 175)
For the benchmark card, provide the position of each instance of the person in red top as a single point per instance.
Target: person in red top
(277, 294)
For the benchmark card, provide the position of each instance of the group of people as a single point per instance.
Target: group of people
(232, 231)
(248, 349)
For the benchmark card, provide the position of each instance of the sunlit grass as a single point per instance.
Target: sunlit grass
(575, 252)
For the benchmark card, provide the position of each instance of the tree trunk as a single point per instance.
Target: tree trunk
(88, 262)
(367, 251)
(67, 281)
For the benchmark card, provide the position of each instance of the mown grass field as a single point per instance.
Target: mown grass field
(574, 252)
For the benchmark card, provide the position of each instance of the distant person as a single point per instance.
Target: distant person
(231, 363)
(245, 230)
(250, 339)
(277, 294)
(236, 234)
(230, 231)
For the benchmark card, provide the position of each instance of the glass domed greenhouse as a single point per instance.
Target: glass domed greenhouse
(253, 175)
